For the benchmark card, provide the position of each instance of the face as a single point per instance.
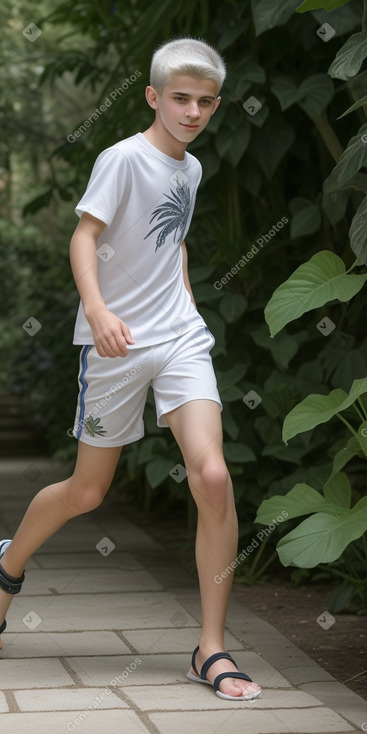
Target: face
(185, 106)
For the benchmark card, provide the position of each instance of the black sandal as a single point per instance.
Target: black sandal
(201, 677)
(11, 585)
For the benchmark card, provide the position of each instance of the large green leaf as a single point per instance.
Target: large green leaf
(323, 278)
(301, 500)
(231, 33)
(317, 91)
(328, 5)
(200, 272)
(283, 348)
(157, 471)
(232, 306)
(285, 90)
(269, 145)
(270, 13)
(239, 141)
(355, 106)
(349, 58)
(345, 454)
(316, 409)
(204, 292)
(362, 437)
(238, 452)
(218, 328)
(313, 94)
(229, 424)
(323, 537)
(292, 454)
(338, 490)
(353, 158)
(223, 141)
(335, 204)
(230, 377)
(306, 217)
(358, 233)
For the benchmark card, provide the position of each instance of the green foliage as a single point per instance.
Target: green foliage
(323, 537)
(328, 5)
(321, 279)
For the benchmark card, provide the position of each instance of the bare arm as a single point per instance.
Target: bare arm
(185, 271)
(110, 333)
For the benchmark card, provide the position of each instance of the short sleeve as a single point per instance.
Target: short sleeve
(109, 184)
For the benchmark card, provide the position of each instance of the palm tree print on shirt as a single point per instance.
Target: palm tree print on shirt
(173, 215)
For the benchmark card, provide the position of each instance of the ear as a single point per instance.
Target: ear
(216, 104)
(151, 95)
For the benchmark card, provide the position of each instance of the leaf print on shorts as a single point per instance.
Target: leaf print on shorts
(92, 426)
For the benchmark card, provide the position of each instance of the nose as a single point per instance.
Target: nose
(193, 111)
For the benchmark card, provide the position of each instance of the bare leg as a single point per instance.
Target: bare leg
(197, 428)
(57, 503)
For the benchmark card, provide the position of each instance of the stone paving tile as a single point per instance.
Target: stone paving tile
(97, 611)
(113, 721)
(77, 581)
(152, 670)
(33, 674)
(299, 721)
(309, 672)
(172, 640)
(200, 696)
(53, 644)
(341, 699)
(3, 705)
(93, 559)
(68, 699)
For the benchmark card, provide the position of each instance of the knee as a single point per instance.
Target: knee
(213, 481)
(87, 497)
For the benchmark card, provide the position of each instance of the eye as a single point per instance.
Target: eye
(180, 99)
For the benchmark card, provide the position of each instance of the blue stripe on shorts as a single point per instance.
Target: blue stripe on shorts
(84, 385)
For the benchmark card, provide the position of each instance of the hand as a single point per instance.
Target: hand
(111, 335)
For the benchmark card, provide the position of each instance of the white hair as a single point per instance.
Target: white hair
(190, 56)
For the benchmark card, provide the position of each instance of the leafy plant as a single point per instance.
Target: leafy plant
(334, 524)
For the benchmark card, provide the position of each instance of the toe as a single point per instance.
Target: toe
(250, 689)
(231, 687)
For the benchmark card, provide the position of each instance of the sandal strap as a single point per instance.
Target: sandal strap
(3, 627)
(220, 677)
(10, 584)
(193, 659)
(213, 659)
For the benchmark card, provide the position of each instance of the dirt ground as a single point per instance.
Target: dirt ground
(292, 610)
(341, 649)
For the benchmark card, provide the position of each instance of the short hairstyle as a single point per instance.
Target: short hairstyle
(190, 56)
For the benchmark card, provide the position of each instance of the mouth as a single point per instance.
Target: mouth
(189, 127)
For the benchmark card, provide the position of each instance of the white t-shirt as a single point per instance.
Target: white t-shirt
(146, 198)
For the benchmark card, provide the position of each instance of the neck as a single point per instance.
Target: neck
(165, 142)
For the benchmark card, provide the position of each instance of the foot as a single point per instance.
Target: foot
(229, 686)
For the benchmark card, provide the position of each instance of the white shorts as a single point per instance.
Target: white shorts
(113, 390)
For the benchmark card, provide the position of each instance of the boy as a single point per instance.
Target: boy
(138, 326)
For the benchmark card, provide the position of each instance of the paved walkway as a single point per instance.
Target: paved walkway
(101, 636)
